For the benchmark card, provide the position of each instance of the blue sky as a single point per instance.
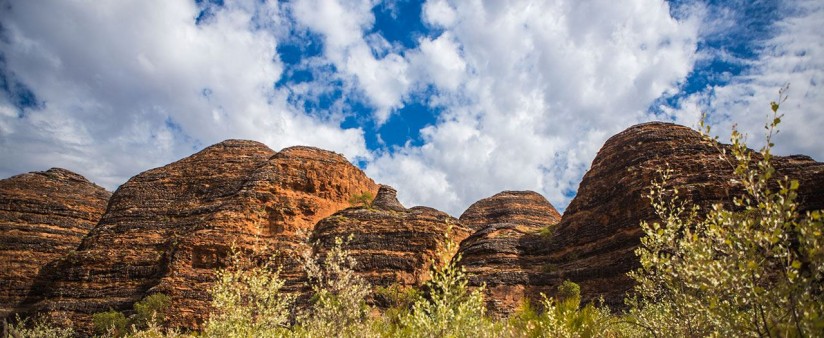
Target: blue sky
(448, 101)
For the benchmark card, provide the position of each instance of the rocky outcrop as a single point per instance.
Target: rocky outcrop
(43, 217)
(594, 243)
(391, 244)
(498, 255)
(167, 229)
(526, 208)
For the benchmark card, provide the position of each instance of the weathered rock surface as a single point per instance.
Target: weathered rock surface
(594, 242)
(519, 207)
(167, 229)
(509, 224)
(43, 217)
(392, 244)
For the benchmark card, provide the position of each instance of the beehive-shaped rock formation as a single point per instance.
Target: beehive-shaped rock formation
(43, 217)
(594, 243)
(497, 255)
(391, 244)
(169, 228)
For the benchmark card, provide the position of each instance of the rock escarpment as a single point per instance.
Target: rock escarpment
(509, 225)
(391, 244)
(594, 243)
(43, 217)
(167, 229)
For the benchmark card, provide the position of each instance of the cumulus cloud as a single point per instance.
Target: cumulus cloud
(371, 69)
(534, 92)
(794, 55)
(128, 85)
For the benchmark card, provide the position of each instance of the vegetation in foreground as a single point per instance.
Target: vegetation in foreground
(756, 269)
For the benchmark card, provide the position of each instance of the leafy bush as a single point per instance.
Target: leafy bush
(339, 306)
(112, 323)
(247, 300)
(151, 309)
(40, 328)
(756, 270)
(449, 308)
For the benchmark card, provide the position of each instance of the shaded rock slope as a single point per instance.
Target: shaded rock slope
(497, 254)
(167, 229)
(594, 243)
(391, 244)
(43, 217)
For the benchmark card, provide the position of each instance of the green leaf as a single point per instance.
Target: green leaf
(774, 106)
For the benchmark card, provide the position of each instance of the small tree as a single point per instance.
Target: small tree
(247, 300)
(449, 308)
(339, 306)
(757, 270)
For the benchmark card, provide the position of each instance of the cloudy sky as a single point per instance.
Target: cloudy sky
(448, 101)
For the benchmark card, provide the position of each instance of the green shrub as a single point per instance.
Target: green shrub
(569, 292)
(449, 308)
(339, 306)
(754, 270)
(363, 199)
(247, 301)
(151, 309)
(112, 323)
(40, 328)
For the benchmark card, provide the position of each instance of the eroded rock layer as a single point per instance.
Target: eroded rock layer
(594, 243)
(392, 244)
(43, 217)
(518, 207)
(167, 229)
(498, 254)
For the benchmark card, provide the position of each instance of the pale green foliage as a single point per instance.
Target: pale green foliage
(450, 310)
(153, 330)
(339, 306)
(757, 270)
(40, 328)
(247, 300)
(562, 317)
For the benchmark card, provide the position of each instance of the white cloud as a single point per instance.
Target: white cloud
(383, 80)
(439, 61)
(544, 84)
(794, 55)
(129, 85)
(439, 13)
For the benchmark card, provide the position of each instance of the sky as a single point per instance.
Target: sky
(447, 101)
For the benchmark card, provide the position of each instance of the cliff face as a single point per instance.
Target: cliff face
(43, 217)
(594, 242)
(391, 244)
(167, 229)
(499, 253)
